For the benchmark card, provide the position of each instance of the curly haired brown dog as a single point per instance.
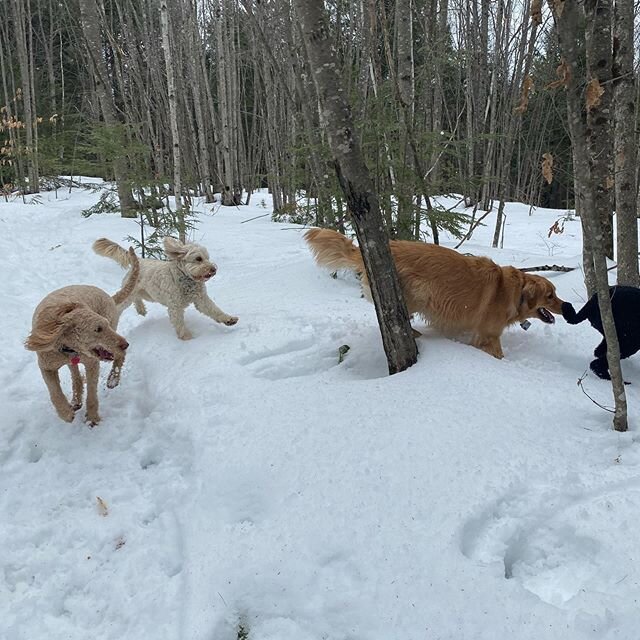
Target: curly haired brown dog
(175, 283)
(76, 325)
(455, 293)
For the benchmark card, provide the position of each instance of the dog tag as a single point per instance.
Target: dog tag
(75, 360)
(525, 325)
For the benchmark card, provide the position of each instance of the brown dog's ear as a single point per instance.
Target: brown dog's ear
(529, 290)
(174, 249)
(49, 327)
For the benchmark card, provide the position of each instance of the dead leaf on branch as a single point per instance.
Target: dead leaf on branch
(594, 93)
(557, 7)
(547, 167)
(103, 509)
(527, 86)
(564, 76)
(609, 183)
(536, 12)
(556, 227)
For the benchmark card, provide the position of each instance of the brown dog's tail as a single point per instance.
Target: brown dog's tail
(333, 250)
(121, 298)
(109, 249)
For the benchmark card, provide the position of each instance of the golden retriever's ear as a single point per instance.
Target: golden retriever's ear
(174, 249)
(49, 327)
(529, 290)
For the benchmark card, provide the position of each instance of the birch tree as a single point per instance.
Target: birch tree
(173, 114)
(91, 20)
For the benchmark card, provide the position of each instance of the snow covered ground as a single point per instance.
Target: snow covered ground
(250, 479)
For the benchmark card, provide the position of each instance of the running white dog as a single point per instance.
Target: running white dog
(175, 283)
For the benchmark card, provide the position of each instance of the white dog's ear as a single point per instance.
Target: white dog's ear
(174, 249)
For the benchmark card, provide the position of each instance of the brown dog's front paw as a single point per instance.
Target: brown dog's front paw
(66, 413)
(113, 380)
(92, 419)
(187, 335)
(230, 321)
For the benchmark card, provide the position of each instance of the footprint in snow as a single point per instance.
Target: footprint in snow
(293, 359)
(568, 547)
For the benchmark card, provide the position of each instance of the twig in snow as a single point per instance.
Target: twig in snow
(264, 215)
(584, 375)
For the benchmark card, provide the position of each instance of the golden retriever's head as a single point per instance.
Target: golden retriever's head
(539, 300)
(75, 327)
(193, 259)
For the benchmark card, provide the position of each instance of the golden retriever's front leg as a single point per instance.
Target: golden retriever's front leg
(58, 399)
(490, 345)
(93, 370)
(77, 386)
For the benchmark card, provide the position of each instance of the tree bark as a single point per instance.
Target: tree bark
(599, 120)
(28, 102)
(173, 116)
(354, 178)
(91, 28)
(567, 24)
(624, 141)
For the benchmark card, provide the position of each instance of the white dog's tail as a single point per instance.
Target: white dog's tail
(333, 250)
(109, 249)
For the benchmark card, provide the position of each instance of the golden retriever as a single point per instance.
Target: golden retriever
(457, 294)
(77, 325)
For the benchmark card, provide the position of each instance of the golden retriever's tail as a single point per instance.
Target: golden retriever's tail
(121, 298)
(333, 250)
(109, 249)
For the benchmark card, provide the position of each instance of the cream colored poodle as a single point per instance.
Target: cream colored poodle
(76, 325)
(175, 283)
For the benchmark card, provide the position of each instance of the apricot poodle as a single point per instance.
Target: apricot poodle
(457, 294)
(175, 283)
(77, 325)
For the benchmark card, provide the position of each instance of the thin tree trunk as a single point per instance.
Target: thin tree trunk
(173, 116)
(29, 118)
(625, 144)
(567, 23)
(91, 28)
(355, 180)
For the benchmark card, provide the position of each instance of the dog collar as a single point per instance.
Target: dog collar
(74, 356)
(525, 324)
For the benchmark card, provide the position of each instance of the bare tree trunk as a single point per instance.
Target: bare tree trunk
(355, 181)
(28, 102)
(625, 144)
(91, 28)
(173, 115)
(223, 102)
(567, 23)
(599, 120)
(406, 93)
(195, 51)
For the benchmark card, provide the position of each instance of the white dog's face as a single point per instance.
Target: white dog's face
(193, 259)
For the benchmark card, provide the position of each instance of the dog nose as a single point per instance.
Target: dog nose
(213, 271)
(124, 345)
